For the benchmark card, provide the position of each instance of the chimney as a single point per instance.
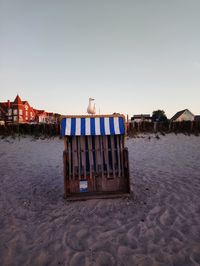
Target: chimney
(8, 104)
(127, 118)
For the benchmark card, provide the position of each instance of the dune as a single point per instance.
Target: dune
(157, 225)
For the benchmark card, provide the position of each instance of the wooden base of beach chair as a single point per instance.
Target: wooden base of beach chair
(96, 195)
(97, 184)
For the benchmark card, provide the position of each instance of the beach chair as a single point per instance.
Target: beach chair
(95, 159)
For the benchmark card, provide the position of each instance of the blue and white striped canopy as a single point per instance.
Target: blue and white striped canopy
(92, 126)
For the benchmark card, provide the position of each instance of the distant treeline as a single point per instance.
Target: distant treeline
(36, 130)
(186, 127)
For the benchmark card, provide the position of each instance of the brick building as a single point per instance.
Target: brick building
(17, 111)
(20, 111)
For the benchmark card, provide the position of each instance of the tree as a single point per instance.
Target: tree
(159, 116)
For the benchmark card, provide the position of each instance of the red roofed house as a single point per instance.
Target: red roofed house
(21, 112)
(40, 116)
(53, 118)
(16, 112)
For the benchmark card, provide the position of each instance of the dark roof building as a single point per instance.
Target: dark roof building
(184, 115)
(140, 118)
(197, 118)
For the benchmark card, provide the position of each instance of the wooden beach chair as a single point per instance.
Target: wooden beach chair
(95, 159)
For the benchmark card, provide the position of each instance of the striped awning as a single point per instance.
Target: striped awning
(92, 126)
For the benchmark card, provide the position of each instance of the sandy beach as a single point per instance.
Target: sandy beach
(158, 225)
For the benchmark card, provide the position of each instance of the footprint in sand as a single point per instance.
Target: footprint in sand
(167, 218)
(104, 259)
(78, 259)
(133, 243)
(140, 259)
(195, 255)
(77, 239)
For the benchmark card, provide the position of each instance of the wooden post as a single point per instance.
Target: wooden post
(101, 156)
(105, 150)
(155, 127)
(69, 158)
(113, 154)
(75, 156)
(126, 169)
(90, 155)
(83, 155)
(78, 156)
(118, 155)
(65, 143)
(121, 154)
(97, 154)
(66, 177)
(191, 126)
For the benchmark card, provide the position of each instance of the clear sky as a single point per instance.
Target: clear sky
(131, 56)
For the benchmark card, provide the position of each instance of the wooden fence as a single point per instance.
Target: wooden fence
(186, 127)
(48, 130)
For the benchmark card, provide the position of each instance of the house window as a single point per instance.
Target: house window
(9, 111)
(15, 119)
(15, 112)
(26, 113)
(21, 112)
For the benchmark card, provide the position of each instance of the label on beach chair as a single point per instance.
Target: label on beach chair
(83, 186)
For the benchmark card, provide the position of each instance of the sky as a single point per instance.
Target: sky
(132, 56)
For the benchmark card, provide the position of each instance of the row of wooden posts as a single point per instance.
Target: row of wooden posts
(30, 129)
(190, 127)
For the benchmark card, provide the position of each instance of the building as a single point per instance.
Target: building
(184, 115)
(197, 118)
(2, 115)
(41, 117)
(17, 111)
(141, 118)
(53, 118)
(20, 111)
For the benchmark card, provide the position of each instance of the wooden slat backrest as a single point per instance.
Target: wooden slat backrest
(105, 156)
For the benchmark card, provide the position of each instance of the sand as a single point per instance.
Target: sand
(158, 225)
